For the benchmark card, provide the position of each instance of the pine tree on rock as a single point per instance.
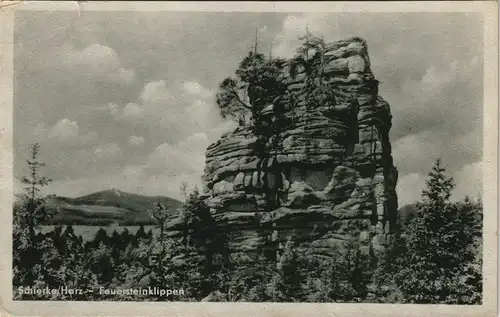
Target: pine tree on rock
(257, 83)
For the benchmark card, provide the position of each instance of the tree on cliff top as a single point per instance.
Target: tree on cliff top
(310, 55)
(257, 83)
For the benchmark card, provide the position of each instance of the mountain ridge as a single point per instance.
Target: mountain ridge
(107, 207)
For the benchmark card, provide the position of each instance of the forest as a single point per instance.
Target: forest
(436, 258)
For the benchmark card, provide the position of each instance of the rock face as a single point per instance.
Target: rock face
(320, 171)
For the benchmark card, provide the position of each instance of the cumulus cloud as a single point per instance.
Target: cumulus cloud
(156, 92)
(97, 62)
(409, 188)
(132, 111)
(113, 108)
(126, 76)
(469, 181)
(194, 88)
(178, 110)
(295, 26)
(135, 140)
(64, 130)
(190, 121)
(107, 151)
(110, 108)
(203, 115)
(168, 165)
(187, 156)
(438, 114)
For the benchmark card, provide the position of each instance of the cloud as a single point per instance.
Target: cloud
(96, 57)
(129, 179)
(132, 111)
(177, 110)
(156, 92)
(183, 161)
(135, 140)
(194, 88)
(113, 108)
(97, 62)
(403, 152)
(409, 188)
(162, 173)
(126, 76)
(64, 130)
(110, 108)
(469, 181)
(430, 69)
(435, 77)
(185, 122)
(295, 26)
(187, 156)
(107, 151)
(203, 116)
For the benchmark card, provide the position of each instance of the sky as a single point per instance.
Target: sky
(126, 100)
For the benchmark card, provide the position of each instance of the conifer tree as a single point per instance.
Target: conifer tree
(160, 214)
(141, 233)
(438, 242)
(29, 212)
(291, 274)
(256, 84)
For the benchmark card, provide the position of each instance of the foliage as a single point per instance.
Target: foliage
(436, 258)
(257, 83)
(310, 56)
(29, 211)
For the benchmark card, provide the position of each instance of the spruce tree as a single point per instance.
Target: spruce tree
(29, 212)
(141, 233)
(438, 245)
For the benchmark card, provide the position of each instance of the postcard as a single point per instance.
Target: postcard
(249, 158)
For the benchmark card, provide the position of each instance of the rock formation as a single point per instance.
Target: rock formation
(319, 170)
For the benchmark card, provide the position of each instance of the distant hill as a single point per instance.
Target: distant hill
(107, 207)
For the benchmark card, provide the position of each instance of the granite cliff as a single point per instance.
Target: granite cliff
(318, 170)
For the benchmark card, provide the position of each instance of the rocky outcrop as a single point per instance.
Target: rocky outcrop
(320, 170)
